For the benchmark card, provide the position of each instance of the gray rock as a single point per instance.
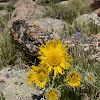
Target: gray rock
(87, 18)
(63, 3)
(51, 25)
(16, 86)
(26, 10)
(86, 23)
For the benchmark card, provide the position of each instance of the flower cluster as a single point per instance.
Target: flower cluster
(55, 60)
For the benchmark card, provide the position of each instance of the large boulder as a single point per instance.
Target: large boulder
(97, 12)
(62, 3)
(95, 4)
(51, 25)
(27, 9)
(87, 18)
(14, 85)
(86, 22)
(30, 36)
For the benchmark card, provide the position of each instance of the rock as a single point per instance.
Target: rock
(95, 47)
(90, 44)
(95, 18)
(63, 3)
(30, 36)
(97, 12)
(51, 25)
(87, 18)
(95, 4)
(26, 10)
(86, 22)
(14, 84)
(3, 13)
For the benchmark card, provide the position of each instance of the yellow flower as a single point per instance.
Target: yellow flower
(52, 94)
(53, 55)
(74, 79)
(38, 75)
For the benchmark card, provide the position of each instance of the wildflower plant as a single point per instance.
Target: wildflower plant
(55, 76)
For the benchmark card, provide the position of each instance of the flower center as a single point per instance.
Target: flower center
(54, 58)
(41, 76)
(74, 79)
(53, 95)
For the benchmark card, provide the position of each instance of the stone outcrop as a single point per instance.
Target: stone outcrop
(95, 4)
(30, 36)
(97, 12)
(87, 18)
(14, 85)
(88, 22)
(26, 10)
(51, 25)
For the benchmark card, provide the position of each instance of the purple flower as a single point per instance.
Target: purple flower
(76, 27)
(78, 32)
(63, 15)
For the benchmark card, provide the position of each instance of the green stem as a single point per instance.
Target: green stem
(61, 85)
(53, 81)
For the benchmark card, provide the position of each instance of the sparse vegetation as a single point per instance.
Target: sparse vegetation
(68, 12)
(9, 51)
